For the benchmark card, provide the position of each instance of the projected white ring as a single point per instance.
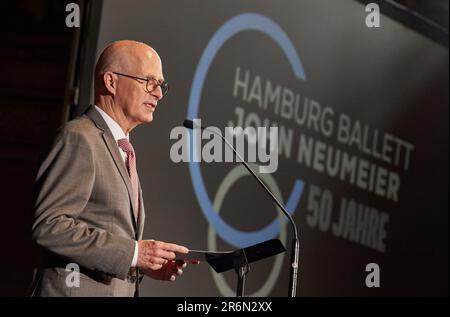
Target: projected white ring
(234, 175)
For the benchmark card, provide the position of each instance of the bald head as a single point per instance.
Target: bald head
(128, 79)
(125, 57)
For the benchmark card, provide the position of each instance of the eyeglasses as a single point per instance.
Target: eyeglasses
(152, 83)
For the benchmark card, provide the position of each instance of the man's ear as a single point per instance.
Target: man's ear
(109, 80)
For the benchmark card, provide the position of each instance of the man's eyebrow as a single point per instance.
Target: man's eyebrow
(161, 80)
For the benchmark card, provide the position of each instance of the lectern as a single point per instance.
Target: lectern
(239, 260)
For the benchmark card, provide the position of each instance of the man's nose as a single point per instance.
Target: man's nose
(157, 92)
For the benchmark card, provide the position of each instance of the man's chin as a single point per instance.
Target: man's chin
(149, 118)
(145, 116)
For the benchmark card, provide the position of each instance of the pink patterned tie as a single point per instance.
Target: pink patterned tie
(130, 162)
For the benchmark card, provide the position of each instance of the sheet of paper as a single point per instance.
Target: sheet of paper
(199, 255)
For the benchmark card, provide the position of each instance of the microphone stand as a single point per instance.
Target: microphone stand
(295, 247)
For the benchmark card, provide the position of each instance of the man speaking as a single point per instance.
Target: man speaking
(89, 208)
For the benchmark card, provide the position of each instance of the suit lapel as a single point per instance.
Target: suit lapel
(141, 218)
(115, 153)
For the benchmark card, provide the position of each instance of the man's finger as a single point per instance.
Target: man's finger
(173, 247)
(178, 271)
(157, 260)
(164, 254)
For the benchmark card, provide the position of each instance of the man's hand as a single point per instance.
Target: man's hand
(154, 255)
(168, 272)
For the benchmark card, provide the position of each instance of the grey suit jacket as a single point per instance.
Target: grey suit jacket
(83, 213)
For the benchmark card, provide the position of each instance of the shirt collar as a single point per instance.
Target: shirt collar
(115, 128)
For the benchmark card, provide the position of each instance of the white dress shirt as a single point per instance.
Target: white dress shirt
(118, 134)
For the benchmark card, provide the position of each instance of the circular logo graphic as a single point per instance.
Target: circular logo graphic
(234, 237)
(233, 176)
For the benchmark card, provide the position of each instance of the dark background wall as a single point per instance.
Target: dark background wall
(34, 52)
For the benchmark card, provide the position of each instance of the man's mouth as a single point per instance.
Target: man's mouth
(150, 105)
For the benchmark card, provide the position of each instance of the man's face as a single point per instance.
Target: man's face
(136, 102)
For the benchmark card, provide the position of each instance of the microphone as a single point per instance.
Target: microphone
(190, 124)
(295, 247)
